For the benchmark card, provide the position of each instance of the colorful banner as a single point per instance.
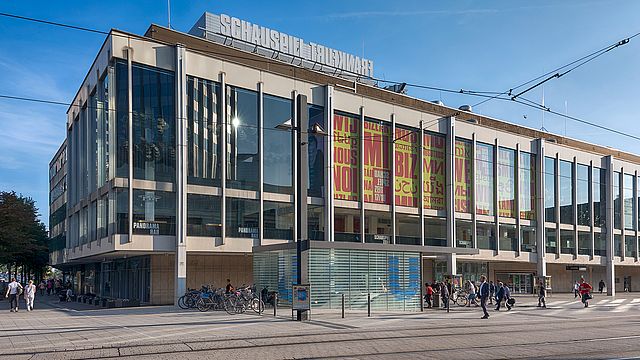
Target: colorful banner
(433, 165)
(377, 162)
(484, 179)
(506, 183)
(407, 180)
(463, 176)
(346, 148)
(527, 186)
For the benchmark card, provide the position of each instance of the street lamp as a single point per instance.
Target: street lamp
(301, 140)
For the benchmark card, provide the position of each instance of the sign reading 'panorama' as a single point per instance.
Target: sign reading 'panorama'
(311, 55)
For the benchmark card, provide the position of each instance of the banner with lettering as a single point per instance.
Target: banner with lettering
(506, 183)
(434, 150)
(346, 147)
(407, 181)
(463, 191)
(484, 179)
(377, 162)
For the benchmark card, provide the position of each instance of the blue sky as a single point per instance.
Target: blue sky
(485, 46)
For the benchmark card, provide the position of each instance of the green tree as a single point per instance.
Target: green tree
(23, 238)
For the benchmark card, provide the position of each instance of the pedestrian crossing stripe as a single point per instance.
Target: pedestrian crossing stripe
(618, 301)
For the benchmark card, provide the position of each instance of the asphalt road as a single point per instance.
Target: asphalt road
(608, 329)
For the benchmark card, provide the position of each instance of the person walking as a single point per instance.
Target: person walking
(492, 291)
(500, 294)
(229, 288)
(507, 297)
(30, 295)
(585, 289)
(49, 287)
(428, 294)
(576, 289)
(471, 289)
(601, 286)
(444, 294)
(542, 292)
(14, 289)
(42, 286)
(484, 295)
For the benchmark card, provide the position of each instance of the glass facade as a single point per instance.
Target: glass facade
(484, 179)
(203, 215)
(566, 192)
(154, 212)
(377, 227)
(464, 234)
(629, 202)
(435, 231)
(567, 242)
(242, 218)
(617, 245)
(617, 205)
(408, 229)
(486, 236)
(584, 243)
(463, 193)
(347, 225)
(508, 237)
(630, 246)
(549, 189)
(278, 220)
(527, 186)
(528, 239)
(204, 128)
(598, 186)
(243, 163)
(278, 166)
(316, 152)
(582, 195)
(507, 182)
(600, 244)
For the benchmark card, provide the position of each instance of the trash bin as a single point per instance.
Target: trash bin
(436, 300)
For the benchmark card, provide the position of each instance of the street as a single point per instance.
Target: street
(605, 330)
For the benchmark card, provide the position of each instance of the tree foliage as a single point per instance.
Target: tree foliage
(23, 238)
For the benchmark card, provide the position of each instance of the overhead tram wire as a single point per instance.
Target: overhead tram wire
(496, 95)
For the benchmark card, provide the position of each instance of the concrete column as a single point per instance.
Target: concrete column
(392, 177)
(611, 273)
(591, 212)
(574, 201)
(496, 204)
(450, 193)
(420, 177)
(329, 210)
(295, 128)
(129, 141)
(556, 178)
(623, 242)
(516, 194)
(181, 172)
(474, 216)
(540, 216)
(224, 138)
(361, 175)
(261, 162)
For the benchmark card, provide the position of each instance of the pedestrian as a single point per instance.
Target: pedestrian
(428, 294)
(507, 297)
(14, 289)
(30, 295)
(69, 294)
(471, 289)
(229, 288)
(601, 286)
(585, 290)
(542, 292)
(484, 295)
(49, 286)
(492, 291)
(444, 294)
(576, 289)
(499, 295)
(42, 286)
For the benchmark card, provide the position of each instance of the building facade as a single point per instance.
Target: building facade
(179, 175)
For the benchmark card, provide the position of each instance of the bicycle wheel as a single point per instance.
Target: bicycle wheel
(257, 305)
(230, 305)
(203, 305)
(462, 301)
(182, 302)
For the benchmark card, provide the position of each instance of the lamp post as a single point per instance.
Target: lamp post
(300, 135)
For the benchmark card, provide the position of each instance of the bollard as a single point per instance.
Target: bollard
(369, 304)
(275, 304)
(343, 306)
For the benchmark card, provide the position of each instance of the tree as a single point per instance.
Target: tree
(23, 238)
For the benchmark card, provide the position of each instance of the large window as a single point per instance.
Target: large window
(550, 189)
(347, 225)
(617, 216)
(433, 168)
(629, 200)
(566, 192)
(122, 121)
(464, 234)
(278, 220)
(508, 238)
(527, 186)
(154, 212)
(103, 136)
(346, 147)
(484, 179)
(462, 170)
(600, 244)
(154, 142)
(528, 239)
(242, 218)
(617, 245)
(582, 195)
(277, 145)
(407, 229)
(567, 242)
(316, 152)
(377, 227)
(203, 132)
(584, 243)
(435, 231)
(486, 236)
(630, 246)
(506, 182)
(406, 167)
(599, 196)
(203, 215)
(551, 240)
(315, 222)
(243, 163)
(377, 162)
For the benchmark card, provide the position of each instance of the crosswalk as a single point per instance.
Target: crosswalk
(595, 306)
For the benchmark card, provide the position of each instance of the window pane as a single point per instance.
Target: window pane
(617, 216)
(617, 245)
(242, 139)
(550, 189)
(433, 168)
(486, 236)
(346, 147)
(377, 162)
(506, 182)
(567, 242)
(316, 152)
(377, 227)
(435, 232)
(154, 212)
(600, 244)
(203, 215)
(484, 179)
(551, 244)
(528, 239)
(315, 222)
(406, 167)
(597, 184)
(407, 229)
(122, 121)
(584, 243)
(566, 192)
(630, 246)
(462, 170)
(277, 146)
(527, 186)
(464, 234)
(582, 195)
(347, 225)
(203, 132)
(242, 218)
(508, 239)
(629, 200)
(278, 220)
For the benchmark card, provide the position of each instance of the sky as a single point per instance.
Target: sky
(471, 45)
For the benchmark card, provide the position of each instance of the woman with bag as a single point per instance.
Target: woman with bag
(30, 295)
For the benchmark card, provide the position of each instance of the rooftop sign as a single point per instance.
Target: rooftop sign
(244, 35)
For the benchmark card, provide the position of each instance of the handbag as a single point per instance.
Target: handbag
(511, 301)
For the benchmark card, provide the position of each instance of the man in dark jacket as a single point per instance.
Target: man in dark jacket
(484, 295)
(502, 294)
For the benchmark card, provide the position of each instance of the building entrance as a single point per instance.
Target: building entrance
(519, 283)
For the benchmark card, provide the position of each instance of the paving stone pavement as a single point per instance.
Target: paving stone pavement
(607, 329)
